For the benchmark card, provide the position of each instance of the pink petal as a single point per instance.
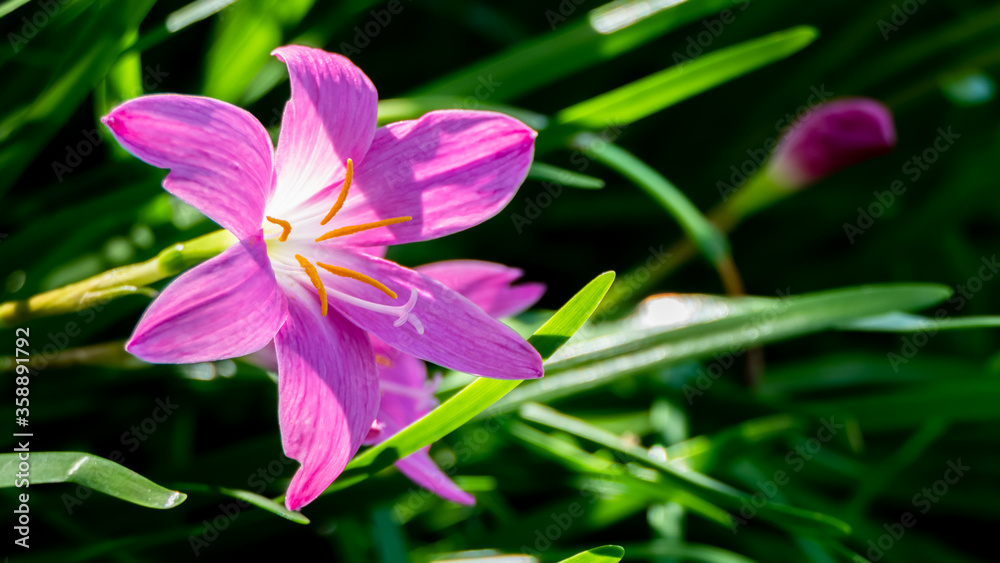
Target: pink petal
(219, 155)
(406, 393)
(327, 394)
(487, 284)
(226, 307)
(448, 170)
(832, 137)
(457, 333)
(330, 117)
(422, 470)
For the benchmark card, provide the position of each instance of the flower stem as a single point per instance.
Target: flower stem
(126, 280)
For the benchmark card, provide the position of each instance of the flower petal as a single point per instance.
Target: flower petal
(422, 470)
(456, 333)
(448, 170)
(327, 393)
(487, 284)
(226, 307)
(219, 155)
(330, 117)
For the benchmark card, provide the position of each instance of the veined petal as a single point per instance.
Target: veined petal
(327, 393)
(456, 333)
(448, 171)
(219, 156)
(422, 470)
(330, 117)
(226, 307)
(487, 284)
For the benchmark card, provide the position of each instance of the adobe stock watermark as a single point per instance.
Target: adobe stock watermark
(464, 448)
(561, 522)
(132, 438)
(758, 156)
(964, 292)
(364, 34)
(230, 510)
(900, 15)
(30, 26)
(152, 77)
(913, 168)
(754, 328)
(562, 12)
(924, 501)
(634, 281)
(535, 205)
(796, 460)
(697, 43)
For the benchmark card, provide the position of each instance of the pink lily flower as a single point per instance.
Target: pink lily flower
(408, 395)
(832, 137)
(312, 218)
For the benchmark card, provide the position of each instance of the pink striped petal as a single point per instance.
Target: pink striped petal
(487, 284)
(219, 155)
(422, 470)
(330, 117)
(448, 170)
(327, 393)
(457, 334)
(226, 307)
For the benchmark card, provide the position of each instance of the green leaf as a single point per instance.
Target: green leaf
(904, 322)
(605, 33)
(656, 92)
(603, 554)
(245, 37)
(967, 400)
(255, 499)
(709, 239)
(93, 472)
(480, 394)
(725, 496)
(656, 337)
(11, 5)
(88, 44)
(563, 177)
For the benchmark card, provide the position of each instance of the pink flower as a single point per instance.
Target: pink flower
(312, 217)
(830, 138)
(407, 394)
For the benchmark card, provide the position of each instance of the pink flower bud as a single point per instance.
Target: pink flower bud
(830, 138)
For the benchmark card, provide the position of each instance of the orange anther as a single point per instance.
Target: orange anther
(286, 227)
(343, 193)
(344, 272)
(364, 227)
(314, 278)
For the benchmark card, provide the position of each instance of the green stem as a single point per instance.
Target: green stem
(757, 194)
(126, 280)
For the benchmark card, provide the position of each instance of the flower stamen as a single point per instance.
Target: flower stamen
(286, 227)
(383, 361)
(343, 193)
(346, 273)
(363, 227)
(314, 278)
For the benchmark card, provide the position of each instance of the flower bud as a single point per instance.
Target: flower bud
(830, 138)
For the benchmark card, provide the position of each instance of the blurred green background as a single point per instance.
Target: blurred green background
(74, 205)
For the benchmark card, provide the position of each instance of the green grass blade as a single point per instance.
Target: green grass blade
(93, 472)
(905, 322)
(563, 177)
(731, 499)
(658, 91)
(480, 394)
(603, 554)
(604, 34)
(706, 236)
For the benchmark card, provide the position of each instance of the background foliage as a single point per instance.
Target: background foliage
(578, 471)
